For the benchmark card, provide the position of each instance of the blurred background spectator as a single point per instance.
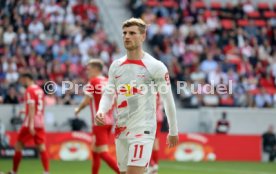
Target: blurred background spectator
(223, 125)
(216, 43)
(53, 39)
(269, 143)
(11, 97)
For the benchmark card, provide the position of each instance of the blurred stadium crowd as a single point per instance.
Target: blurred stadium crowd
(215, 43)
(53, 39)
(200, 44)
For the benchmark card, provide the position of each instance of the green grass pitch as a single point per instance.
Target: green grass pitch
(166, 167)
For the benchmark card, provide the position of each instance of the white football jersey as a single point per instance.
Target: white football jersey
(136, 83)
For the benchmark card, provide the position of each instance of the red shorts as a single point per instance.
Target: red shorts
(25, 136)
(102, 134)
(158, 128)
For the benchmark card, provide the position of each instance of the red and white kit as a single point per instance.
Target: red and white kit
(131, 82)
(33, 94)
(102, 133)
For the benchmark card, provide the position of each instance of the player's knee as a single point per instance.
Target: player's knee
(135, 170)
(103, 148)
(41, 147)
(19, 146)
(156, 145)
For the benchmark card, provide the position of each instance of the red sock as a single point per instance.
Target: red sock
(16, 160)
(110, 161)
(154, 157)
(44, 160)
(96, 163)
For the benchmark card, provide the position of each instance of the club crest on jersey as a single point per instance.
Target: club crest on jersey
(129, 90)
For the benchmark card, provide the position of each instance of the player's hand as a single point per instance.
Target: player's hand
(22, 112)
(172, 141)
(32, 130)
(99, 119)
(77, 111)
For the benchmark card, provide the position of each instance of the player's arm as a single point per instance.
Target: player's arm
(83, 104)
(107, 98)
(31, 113)
(162, 79)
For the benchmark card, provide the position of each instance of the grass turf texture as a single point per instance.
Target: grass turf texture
(166, 167)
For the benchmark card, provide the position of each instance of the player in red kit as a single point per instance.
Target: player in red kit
(101, 133)
(33, 125)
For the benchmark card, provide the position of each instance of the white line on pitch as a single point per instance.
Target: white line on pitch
(210, 169)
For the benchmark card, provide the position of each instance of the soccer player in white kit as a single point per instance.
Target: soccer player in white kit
(131, 80)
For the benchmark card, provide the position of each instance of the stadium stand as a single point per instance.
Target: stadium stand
(53, 40)
(199, 42)
(220, 41)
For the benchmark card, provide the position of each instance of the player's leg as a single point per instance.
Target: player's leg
(139, 155)
(96, 162)
(102, 134)
(39, 140)
(135, 170)
(17, 157)
(153, 168)
(154, 157)
(122, 154)
(96, 153)
(23, 137)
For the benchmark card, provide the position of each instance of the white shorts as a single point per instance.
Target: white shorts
(133, 152)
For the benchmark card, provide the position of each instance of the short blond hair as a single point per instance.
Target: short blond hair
(135, 22)
(98, 63)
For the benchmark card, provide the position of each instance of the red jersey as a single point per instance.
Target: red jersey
(34, 94)
(96, 91)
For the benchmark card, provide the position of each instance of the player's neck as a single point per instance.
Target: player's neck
(95, 75)
(135, 54)
(30, 84)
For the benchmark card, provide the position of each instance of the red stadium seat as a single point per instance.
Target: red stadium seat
(169, 3)
(50, 42)
(207, 14)
(152, 3)
(270, 91)
(216, 5)
(243, 22)
(199, 4)
(260, 23)
(227, 24)
(63, 42)
(263, 6)
(269, 14)
(254, 14)
(254, 91)
(161, 21)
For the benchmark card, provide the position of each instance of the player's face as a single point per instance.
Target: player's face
(23, 81)
(91, 71)
(133, 38)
